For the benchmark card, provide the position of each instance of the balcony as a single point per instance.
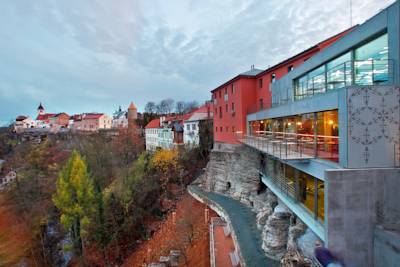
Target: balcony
(292, 146)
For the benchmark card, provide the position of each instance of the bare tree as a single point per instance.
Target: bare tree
(165, 106)
(180, 107)
(191, 105)
(150, 107)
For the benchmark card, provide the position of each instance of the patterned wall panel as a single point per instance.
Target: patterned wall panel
(373, 126)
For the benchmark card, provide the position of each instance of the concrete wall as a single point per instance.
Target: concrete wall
(373, 132)
(386, 248)
(352, 200)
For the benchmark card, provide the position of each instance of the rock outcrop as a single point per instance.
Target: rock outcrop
(275, 232)
(233, 171)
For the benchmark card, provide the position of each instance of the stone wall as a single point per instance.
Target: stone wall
(234, 171)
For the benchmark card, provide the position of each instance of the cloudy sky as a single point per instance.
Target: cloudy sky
(94, 55)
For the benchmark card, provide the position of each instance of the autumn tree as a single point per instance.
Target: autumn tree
(75, 199)
(166, 163)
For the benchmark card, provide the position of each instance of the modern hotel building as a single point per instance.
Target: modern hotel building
(330, 144)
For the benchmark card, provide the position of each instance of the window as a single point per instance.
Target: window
(216, 111)
(261, 101)
(193, 126)
(220, 94)
(233, 88)
(260, 82)
(290, 68)
(273, 77)
(188, 127)
(226, 90)
(371, 66)
(220, 112)
(227, 129)
(233, 129)
(216, 129)
(220, 129)
(233, 107)
(339, 72)
(226, 108)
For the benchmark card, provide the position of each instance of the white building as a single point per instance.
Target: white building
(152, 131)
(191, 136)
(120, 119)
(24, 122)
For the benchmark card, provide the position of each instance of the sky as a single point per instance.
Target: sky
(79, 56)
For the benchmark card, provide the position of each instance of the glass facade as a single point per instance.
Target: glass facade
(365, 65)
(305, 189)
(313, 134)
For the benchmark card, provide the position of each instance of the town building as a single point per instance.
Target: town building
(59, 120)
(250, 91)
(92, 122)
(23, 122)
(152, 131)
(120, 119)
(194, 123)
(330, 144)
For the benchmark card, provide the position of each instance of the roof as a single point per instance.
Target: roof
(76, 117)
(253, 72)
(42, 117)
(199, 114)
(92, 116)
(257, 72)
(318, 45)
(40, 106)
(155, 123)
(21, 118)
(62, 113)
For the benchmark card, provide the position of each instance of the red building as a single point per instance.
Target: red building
(250, 92)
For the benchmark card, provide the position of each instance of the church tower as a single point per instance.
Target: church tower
(132, 115)
(40, 109)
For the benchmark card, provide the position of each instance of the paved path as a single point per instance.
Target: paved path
(243, 222)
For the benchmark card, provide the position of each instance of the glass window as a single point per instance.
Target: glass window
(328, 135)
(339, 72)
(316, 81)
(371, 62)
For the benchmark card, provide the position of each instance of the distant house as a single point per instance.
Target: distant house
(92, 122)
(192, 125)
(152, 132)
(120, 119)
(23, 122)
(43, 118)
(60, 120)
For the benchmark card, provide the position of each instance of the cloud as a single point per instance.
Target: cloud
(79, 56)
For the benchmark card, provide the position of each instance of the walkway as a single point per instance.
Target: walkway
(243, 223)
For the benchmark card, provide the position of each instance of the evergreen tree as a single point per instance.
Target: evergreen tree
(75, 199)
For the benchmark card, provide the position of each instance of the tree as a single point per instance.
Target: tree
(75, 199)
(150, 107)
(191, 105)
(180, 107)
(166, 163)
(165, 106)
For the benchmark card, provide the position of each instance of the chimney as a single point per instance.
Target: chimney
(252, 67)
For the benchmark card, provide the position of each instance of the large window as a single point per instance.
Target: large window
(369, 65)
(307, 190)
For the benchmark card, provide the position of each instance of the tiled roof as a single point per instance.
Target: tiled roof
(91, 116)
(42, 117)
(155, 123)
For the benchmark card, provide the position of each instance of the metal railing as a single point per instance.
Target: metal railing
(357, 72)
(288, 146)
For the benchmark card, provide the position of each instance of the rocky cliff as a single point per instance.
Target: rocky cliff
(233, 170)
